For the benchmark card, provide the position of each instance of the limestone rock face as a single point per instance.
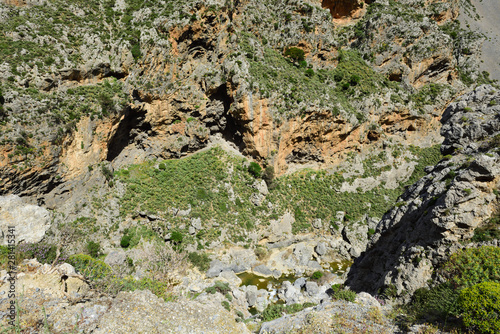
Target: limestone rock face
(30, 221)
(442, 208)
(143, 312)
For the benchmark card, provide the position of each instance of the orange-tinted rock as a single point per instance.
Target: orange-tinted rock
(340, 9)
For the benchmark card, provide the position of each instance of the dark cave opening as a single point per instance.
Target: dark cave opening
(131, 125)
(226, 124)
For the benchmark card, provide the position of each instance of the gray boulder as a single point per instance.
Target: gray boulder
(116, 257)
(312, 288)
(29, 221)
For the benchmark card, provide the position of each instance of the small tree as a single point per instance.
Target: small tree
(295, 54)
(255, 169)
(93, 248)
(268, 175)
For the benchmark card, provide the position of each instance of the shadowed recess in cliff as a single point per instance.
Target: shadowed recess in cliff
(220, 120)
(130, 126)
(342, 8)
(381, 263)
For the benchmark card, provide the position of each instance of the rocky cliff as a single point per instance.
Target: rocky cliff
(255, 142)
(438, 214)
(157, 82)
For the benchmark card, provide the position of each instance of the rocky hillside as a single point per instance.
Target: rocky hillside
(125, 93)
(444, 211)
(238, 156)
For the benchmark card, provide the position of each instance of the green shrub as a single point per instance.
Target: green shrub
(481, 307)
(221, 287)
(338, 76)
(108, 174)
(162, 166)
(317, 275)
(89, 267)
(474, 265)
(176, 237)
(125, 241)
(200, 261)
(136, 51)
(371, 231)
(225, 304)
(355, 79)
(336, 287)
(341, 294)
(295, 54)
(274, 311)
(309, 72)
(436, 303)
(93, 248)
(268, 175)
(254, 169)
(159, 288)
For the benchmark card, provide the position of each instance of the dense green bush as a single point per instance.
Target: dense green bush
(481, 307)
(93, 248)
(274, 311)
(317, 275)
(268, 176)
(200, 261)
(295, 54)
(254, 169)
(338, 292)
(222, 287)
(435, 303)
(125, 241)
(355, 79)
(89, 267)
(474, 265)
(176, 238)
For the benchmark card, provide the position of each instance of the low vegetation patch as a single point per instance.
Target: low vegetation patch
(469, 295)
(275, 311)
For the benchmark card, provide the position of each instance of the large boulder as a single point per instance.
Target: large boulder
(30, 221)
(143, 312)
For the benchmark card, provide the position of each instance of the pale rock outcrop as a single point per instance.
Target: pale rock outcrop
(30, 221)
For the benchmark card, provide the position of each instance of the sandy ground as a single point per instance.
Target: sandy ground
(488, 24)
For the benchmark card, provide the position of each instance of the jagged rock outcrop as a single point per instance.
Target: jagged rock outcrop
(333, 317)
(443, 208)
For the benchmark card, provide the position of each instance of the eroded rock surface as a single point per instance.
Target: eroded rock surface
(441, 209)
(30, 222)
